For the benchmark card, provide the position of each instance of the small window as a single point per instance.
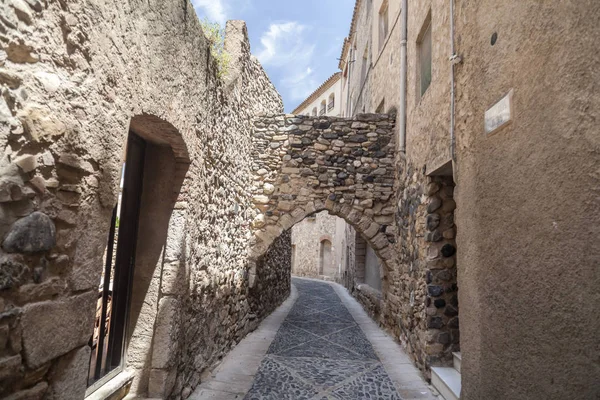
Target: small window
(314, 112)
(424, 52)
(383, 24)
(323, 108)
(331, 103)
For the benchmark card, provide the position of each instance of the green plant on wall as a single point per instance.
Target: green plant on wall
(216, 37)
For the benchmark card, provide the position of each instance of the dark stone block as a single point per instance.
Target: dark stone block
(433, 221)
(332, 197)
(453, 323)
(374, 147)
(379, 154)
(439, 303)
(384, 141)
(435, 203)
(444, 275)
(435, 323)
(428, 277)
(322, 125)
(435, 290)
(448, 250)
(358, 138)
(454, 300)
(330, 136)
(12, 274)
(450, 311)
(444, 338)
(32, 234)
(342, 175)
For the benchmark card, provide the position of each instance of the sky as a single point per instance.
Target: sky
(297, 41)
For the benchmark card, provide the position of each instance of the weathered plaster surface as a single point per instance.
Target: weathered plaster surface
(306, 237)
(528, 200)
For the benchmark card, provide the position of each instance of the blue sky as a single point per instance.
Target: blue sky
(297, 41)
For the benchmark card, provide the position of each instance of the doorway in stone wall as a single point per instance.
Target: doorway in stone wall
(114, 290)
(325, 260)
(368, 265)
(143, 274)
(442, 283)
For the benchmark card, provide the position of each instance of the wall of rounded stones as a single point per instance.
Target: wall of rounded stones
(420, 306)
(69, 91)
(302, 165)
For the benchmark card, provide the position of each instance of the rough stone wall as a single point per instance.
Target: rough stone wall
(425, 285)
(274, 277)
(304, 164)
(307, 236)
(404, 294)
(72, 76)
(528, 200)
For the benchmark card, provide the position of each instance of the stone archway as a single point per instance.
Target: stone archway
(303, 165)
(145, 321)
(160, 270)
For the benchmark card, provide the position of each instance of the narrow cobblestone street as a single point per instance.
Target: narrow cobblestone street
(321, 347)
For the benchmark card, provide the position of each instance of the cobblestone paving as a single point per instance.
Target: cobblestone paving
(320, 353)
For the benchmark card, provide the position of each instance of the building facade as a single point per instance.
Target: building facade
(472, 127)
(319, 246)
(476, 188)
(324, 101)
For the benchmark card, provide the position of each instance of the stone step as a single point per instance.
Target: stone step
(447, 381)
(457, 360)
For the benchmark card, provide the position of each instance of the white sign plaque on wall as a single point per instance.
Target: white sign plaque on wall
(499, 114)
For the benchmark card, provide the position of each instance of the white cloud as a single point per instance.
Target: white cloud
(284, 43)
(300, 84)
(214, 10)
(285, 47)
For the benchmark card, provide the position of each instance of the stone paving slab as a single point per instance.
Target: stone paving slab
(319, 345)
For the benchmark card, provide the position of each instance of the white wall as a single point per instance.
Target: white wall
(336, 90)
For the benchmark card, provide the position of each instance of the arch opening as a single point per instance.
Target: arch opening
(365, 230)
(145, 243)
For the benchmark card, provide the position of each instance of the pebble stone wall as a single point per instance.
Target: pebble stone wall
(302, 165)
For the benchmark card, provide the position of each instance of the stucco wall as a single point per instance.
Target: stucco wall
(307, 236)
(73, 75)
(336, 90)
(528, 201)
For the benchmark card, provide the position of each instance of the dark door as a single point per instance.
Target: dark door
(108, 340)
